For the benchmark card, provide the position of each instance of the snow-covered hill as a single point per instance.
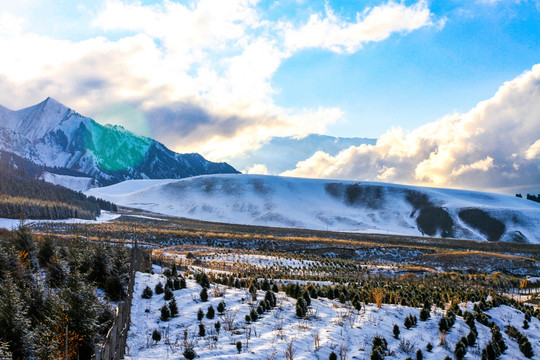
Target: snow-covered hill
(334, 205)
(53, 135)
(332, 327)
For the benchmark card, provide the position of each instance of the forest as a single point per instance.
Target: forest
(22, 195)
(55, 294)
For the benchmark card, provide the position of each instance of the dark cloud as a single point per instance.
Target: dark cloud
(182, 121)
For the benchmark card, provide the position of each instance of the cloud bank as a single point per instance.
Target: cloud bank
(495, 145)
(200, 72)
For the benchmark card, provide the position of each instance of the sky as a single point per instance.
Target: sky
(449, 88)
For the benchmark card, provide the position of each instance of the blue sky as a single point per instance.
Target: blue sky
(412, 79)
(222, 77)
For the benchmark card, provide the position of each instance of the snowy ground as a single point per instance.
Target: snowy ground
(105, 216)
(336, 326)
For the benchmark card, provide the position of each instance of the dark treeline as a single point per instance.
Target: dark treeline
(532, 197)
(22, 195)
(48, 287)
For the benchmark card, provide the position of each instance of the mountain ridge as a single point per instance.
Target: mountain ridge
(53, 135)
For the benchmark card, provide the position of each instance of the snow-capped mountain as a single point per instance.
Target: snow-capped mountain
(334, 205)
(53, 135)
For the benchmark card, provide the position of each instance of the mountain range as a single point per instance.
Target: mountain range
(53, 135)
(334, 205)
(280, 154)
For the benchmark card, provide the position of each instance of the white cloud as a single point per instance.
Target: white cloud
(374, 24)
(208, 64)
(494, 145)
(260, 169)
(533, 152)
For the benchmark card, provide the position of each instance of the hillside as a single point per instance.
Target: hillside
(331, 324)
(334, 205)
(22, 194)
(53, 135)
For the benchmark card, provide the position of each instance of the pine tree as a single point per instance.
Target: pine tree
(253, 315)
(147, 293)
(173, 307)
(210, 313)
(176, 283)
(204, 295)
(202, 330)
(189, 353)
(159, 288)
(14, 324)
(396, 331)
(165, 313)
(301, 307)
(168, 294)
(200, 314)
(156, 335)
(221, 307)
(460, 350)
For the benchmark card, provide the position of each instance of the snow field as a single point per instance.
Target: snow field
(335, 324)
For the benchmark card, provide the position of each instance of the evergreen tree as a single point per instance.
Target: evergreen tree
(159, 288)
(156, 335)
(301, 307)
(165, 313)
(46, 251)
(189, 353)
(221, 307)
(253, 315)
(424, 314)
(200, 314)
(173, 307)
(204, 295)
(82, 313)
(147, 293)
(396, 331)
(210, 313)
(14, 324)
(460, 350)
(176, 283)
(202, 330)
(168, 294)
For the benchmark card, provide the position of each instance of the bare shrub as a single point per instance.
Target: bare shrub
(406, 346)
(228, 319)
(290, 351)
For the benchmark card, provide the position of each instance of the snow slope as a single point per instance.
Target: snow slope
(334, 205)
(71, 182)
(335, 324)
